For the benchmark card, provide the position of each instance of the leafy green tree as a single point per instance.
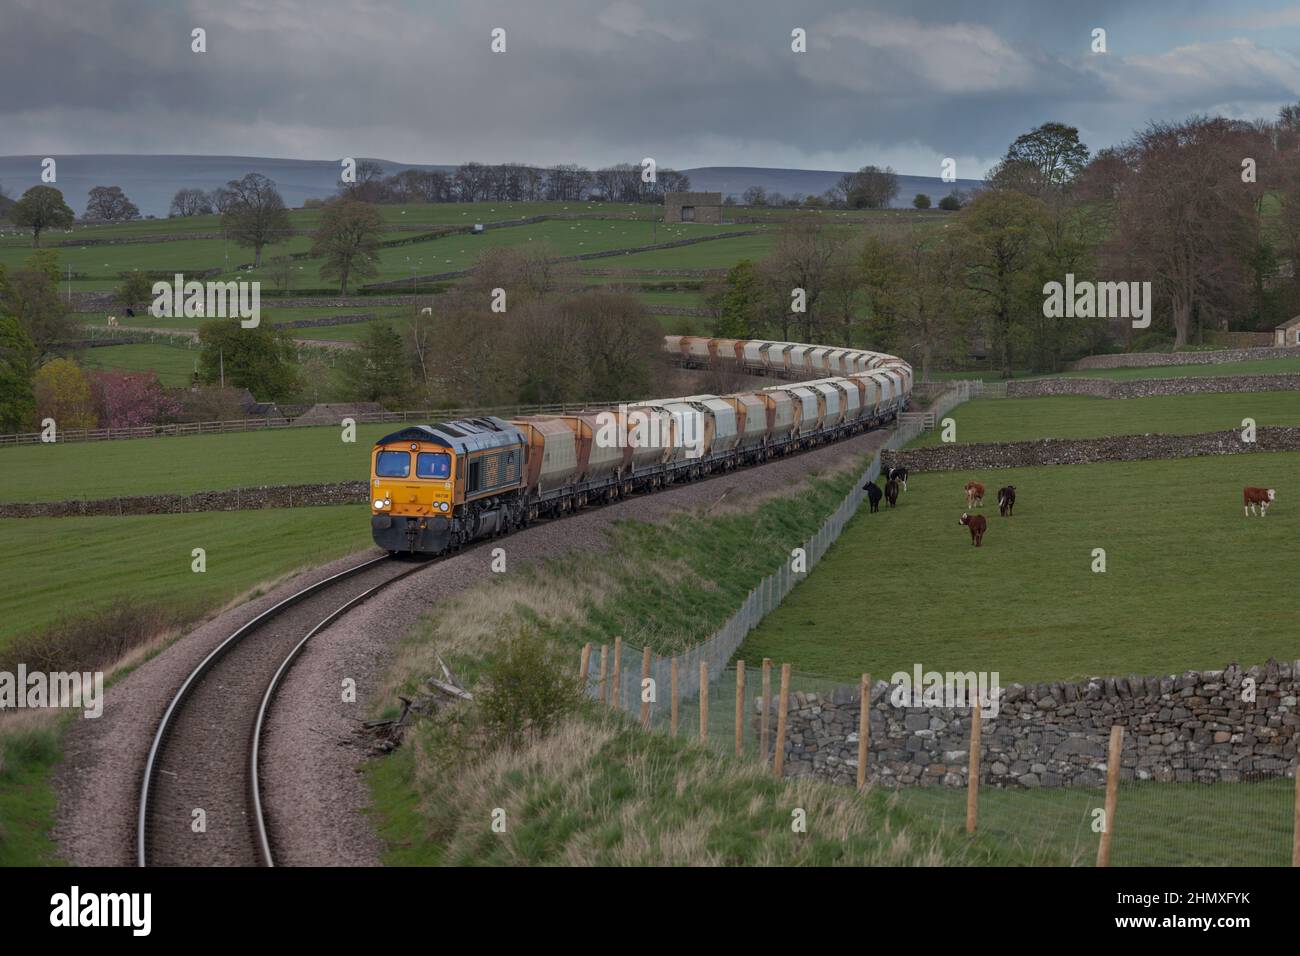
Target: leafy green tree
(17, 363)
(348, 240)
(136, 288)
(31, 295)
(41, 208)
(258, 359)
(110, 204)
(740, 304)
(999, 231)
(376, 371)
(921, 201)
(1046, 158)
(950, 202)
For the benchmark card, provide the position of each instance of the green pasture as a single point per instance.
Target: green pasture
(65, 567)
(1272, 366)
(173, 363)
(1189, 582)
(1077, 416)
(185, 463)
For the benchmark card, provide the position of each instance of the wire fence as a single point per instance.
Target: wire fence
(1108, 816)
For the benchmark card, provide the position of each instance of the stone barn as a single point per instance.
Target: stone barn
(1288, 333)
(693, 207)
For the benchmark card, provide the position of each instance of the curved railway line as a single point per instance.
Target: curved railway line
(208, 729)
(203, 762)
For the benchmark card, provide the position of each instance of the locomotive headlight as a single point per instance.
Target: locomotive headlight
(442, 506)
(379, 504)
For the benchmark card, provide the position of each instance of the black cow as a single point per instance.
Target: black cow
(1006, 500)
(891, 492)
(874, 494)
(899, 475)
(130, 312)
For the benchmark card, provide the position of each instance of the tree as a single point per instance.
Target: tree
(256, 216)
(999, 229)
(41, 208)
(951, 202)
(191, 202)
(376, 370)
(132, 399)
(869, 188)
(915, 281)
(258, 359)
(1184, 219)
(221, 199)
(136, 289)
(801, 260)
(740, 303)
(62, 392)
(31, 295)
(348, 240)
(921, 201)
(17, 363)
(109, 204)
(754, 196)
(369, 184)
(1046, 158)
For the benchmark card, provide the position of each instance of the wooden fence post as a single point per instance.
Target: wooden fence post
(672, 721)
(616, 691)
(778, 765)
(1112, 793)
(704, 700)
(645, 676)
(604, 653)
(584, 667)
(864, 729)
(740, 708)
(973, 774)
(1295, 833)
(763, 722)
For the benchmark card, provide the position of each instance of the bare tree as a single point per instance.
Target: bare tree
(256, 215)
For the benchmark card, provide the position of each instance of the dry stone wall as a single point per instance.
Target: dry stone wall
(235, 499)
(1149, 387)
(1078, 451)
(1211, 726)
(1152, 359)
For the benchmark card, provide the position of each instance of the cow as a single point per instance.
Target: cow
(974, 494)
(1006, 500)
(891, 492)
(977, 525)
(130, 312)
(1257, 496)
(112, 321)
(899, 475)
(874, 494)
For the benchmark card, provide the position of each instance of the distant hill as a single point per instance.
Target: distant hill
(151, 181)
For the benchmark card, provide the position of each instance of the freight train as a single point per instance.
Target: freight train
(437, 487)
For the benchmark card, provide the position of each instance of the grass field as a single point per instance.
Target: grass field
(68, 566)
(281, 456)
(173, 363)
(1076, 416)
(1190, 582)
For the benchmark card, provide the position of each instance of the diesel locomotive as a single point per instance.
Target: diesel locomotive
(436, 487)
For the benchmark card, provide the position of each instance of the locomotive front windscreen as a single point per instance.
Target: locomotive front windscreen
(433, 464)
(392, 464)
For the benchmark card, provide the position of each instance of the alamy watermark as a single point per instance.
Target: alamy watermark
(956, 689)
(39, 690)
(212, 300)
(1099, 300)
(648, 428)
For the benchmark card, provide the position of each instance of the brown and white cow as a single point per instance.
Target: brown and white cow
(974, 494)
(1263, 497)
(977, 525)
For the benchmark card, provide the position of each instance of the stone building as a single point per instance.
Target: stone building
(693, 207)
(1288, 333)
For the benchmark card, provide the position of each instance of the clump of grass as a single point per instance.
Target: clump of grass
(92, 640)
(29, 751)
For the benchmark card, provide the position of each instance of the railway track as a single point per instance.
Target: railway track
(214, 724)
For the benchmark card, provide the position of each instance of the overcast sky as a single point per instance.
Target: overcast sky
(704, 82)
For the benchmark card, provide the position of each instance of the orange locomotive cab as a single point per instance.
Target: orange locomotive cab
(434, 487)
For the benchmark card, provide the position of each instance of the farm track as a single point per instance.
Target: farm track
(204, 746)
